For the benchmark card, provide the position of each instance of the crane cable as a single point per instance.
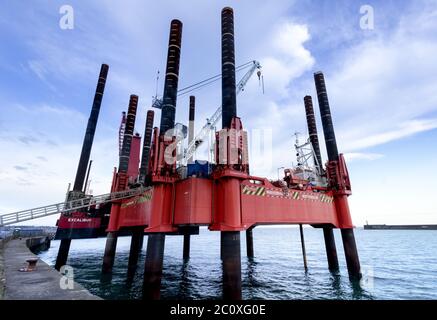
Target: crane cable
(210, 80)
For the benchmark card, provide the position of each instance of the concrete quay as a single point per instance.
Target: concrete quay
(42, 284)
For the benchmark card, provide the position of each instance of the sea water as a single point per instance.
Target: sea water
(395, 265)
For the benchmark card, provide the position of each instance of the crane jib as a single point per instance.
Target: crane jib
(212, 121)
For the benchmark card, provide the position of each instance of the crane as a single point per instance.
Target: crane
(212, 121)
(215, 117)
(307, 164)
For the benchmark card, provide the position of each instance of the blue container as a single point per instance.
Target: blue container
(200, 169)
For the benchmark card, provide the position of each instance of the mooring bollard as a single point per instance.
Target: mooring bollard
(31, 265)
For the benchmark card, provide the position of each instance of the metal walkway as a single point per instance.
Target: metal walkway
(52, 209)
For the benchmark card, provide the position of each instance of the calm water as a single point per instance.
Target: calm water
(396, 265)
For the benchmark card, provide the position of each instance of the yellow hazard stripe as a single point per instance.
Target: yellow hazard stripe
(260, 192)
(326, 199)
(146, 197)
(255, 191)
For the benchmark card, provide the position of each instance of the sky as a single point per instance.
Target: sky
(381, 82)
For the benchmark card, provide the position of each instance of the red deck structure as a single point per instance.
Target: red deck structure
(235, 205)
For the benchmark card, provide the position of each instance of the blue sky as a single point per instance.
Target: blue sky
(381, 84)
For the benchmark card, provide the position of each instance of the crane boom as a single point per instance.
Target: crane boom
(212, 121)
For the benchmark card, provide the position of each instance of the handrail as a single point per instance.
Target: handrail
(39, 212)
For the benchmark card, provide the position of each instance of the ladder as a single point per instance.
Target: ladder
(72, 205)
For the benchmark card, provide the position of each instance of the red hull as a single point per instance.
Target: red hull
(78, 220)
(228, 203)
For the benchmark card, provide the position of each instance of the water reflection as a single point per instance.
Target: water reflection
(358, 292)
(185, 283)
(335, 280)
(251, 270)
(105, 279)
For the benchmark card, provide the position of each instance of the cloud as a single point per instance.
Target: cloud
(381, 85)
(353, 156)
(20, 168)
(384, 88)
(50, 142)
(279, 109)
(28, 140)
(35, 123)
(290, 39)
(406, 129)
(38, 68)
(55, 141)
(289, 58)
(45, 182)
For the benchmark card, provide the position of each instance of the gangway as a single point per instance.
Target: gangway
(72, 205)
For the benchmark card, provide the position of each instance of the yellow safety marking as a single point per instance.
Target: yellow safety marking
(254, 191)
(140, 199)
(128, 204)
(144, 198)
(326, 199)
